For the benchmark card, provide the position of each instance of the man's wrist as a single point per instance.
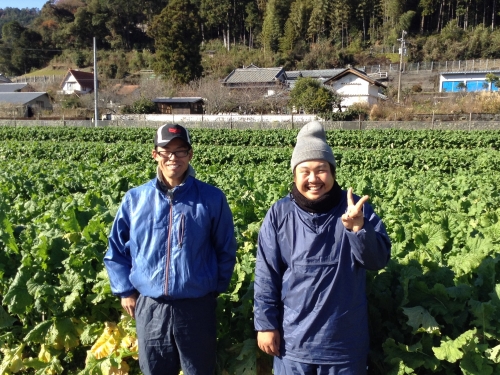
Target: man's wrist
(135, 293)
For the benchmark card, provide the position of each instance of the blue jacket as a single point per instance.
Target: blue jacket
(310, 281)
(172, 245)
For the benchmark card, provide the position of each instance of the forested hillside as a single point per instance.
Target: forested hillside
(301, 34)
(23, 16)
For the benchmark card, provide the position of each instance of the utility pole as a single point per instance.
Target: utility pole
(96, 101)
(401, 53)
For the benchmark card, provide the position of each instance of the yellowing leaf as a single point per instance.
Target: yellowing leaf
(123, 370)
(44, 354)
(12, 360)
(130, 343)
(107, 342)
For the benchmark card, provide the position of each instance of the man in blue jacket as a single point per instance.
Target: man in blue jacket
(171, 252)
(313, 249)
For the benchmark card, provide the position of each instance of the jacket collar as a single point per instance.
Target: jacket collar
(160, 184)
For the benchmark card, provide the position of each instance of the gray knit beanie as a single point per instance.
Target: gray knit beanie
(311, 144)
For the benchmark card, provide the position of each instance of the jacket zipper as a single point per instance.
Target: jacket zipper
(181, 232)
(170, 195)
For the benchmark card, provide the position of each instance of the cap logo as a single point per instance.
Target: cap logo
(163, 136)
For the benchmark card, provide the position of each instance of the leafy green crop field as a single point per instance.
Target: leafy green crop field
(434, 309)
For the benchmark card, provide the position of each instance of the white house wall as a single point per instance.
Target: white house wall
(355, 89)
(71, 85)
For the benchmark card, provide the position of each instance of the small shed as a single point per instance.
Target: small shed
(180, 105)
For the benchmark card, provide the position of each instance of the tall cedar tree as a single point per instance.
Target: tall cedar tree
(177, 35)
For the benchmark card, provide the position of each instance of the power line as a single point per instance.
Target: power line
(41, 49)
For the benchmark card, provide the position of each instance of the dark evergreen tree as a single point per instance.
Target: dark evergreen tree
(271, 30)
(24, 16)
(20, 50)
(177, 36)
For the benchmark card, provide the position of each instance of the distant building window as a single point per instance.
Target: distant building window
(477, 86)
(451, 86)
(167, 109)
(40, 104)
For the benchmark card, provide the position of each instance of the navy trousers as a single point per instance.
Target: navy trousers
(283, 366)
(176, 334)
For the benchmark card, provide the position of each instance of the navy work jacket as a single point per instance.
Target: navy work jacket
(310, 281)
(172, 245)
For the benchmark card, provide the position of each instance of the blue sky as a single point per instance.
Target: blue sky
(22, 3)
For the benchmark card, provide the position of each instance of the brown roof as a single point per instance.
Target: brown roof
(124, 89)
(356, 72)
(85, 79)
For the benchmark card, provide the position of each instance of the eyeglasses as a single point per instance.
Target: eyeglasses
(177, 154)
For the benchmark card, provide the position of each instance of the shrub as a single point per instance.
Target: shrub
(141, 106)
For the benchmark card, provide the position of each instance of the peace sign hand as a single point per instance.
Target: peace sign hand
(353, 218)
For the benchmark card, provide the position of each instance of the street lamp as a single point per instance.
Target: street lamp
(401, 52)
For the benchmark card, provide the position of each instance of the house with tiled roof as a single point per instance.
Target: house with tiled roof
(16, 87)
(24, 104)
(320, 74)
(355, 86)
(252, 77)
(4, 79)
(77, 82)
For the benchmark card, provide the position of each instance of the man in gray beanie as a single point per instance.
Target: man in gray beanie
(314, 248)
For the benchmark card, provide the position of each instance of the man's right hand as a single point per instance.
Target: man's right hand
(269, 342)
(128, 303)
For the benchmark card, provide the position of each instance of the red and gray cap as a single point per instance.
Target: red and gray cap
(167, 132)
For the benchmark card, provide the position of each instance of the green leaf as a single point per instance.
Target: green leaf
(413, 357)
(474, 363)
(470, 258)
(245, 361)
(91, 333)
(494, 354)
(73, 286)
(432, 237)
(5, 319)
(17, 297)
(69, 221)
(421, 320)
(6, 232)
(42, 368)
(63, 335)
(485, 313)
(39, 332)
(449, 350)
